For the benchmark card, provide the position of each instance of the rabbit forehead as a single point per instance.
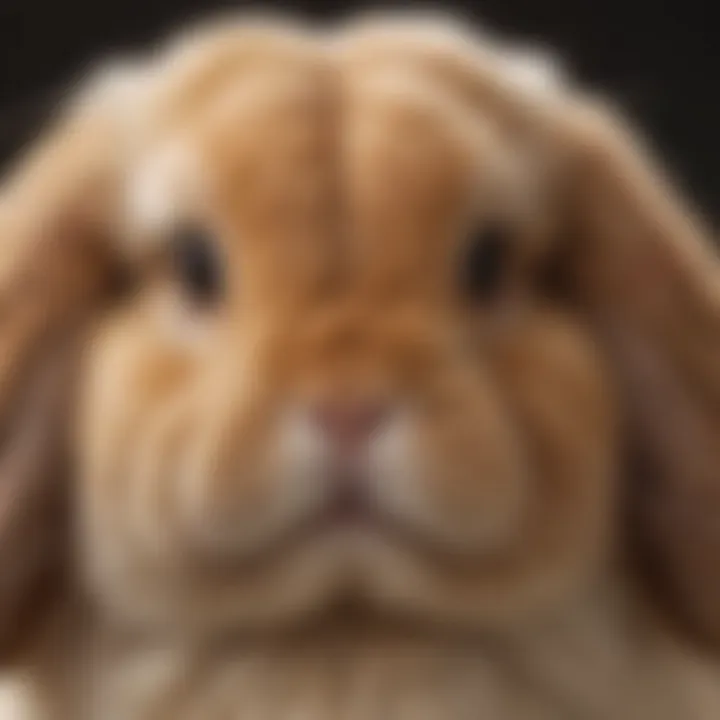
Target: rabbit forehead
(191, 70)
(252, 130)
(275, 117)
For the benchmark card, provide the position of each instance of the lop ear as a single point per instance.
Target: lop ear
(56, 269)
(648, 274)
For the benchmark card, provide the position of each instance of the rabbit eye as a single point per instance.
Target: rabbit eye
(197, 264)
(484, 265)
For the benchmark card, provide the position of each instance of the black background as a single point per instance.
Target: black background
(659, 60)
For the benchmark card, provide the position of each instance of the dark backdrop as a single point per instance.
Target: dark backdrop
(658, 60)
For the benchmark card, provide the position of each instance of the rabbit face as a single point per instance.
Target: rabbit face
(339, 375)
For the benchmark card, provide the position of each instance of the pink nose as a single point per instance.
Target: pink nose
(349, 426)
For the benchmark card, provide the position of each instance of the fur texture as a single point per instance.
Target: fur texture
(541, 480)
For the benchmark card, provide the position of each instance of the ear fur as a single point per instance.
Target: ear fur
(56, 267)
(646, 270)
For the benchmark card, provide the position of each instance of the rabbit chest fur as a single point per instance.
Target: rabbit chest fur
(593, 661)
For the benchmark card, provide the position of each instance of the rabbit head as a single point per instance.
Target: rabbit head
(403, 321)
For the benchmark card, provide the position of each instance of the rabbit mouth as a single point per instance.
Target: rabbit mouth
(351, 510)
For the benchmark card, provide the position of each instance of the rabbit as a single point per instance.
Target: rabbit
(366, 371)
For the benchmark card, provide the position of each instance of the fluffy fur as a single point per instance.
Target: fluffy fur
(545, 476)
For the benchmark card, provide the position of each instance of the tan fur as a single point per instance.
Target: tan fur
(525, 571)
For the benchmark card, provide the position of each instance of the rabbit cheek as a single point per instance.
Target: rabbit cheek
(249, 483)
(135, 422)
(560, 395)
(455, 477)
(476, 475)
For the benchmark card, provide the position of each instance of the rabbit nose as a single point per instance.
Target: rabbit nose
(349, 427)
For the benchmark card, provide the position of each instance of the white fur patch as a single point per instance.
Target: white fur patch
(528, 69)
(159, 191)
(294, 464)
(118, 85)
(535, 70)
(15, 700)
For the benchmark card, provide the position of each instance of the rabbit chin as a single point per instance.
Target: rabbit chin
(349, 571)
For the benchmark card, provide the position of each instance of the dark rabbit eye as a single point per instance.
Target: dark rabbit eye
(484, 264)
(197, 264)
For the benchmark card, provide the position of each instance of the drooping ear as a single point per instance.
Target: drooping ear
(56, 270)
(648, 274)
